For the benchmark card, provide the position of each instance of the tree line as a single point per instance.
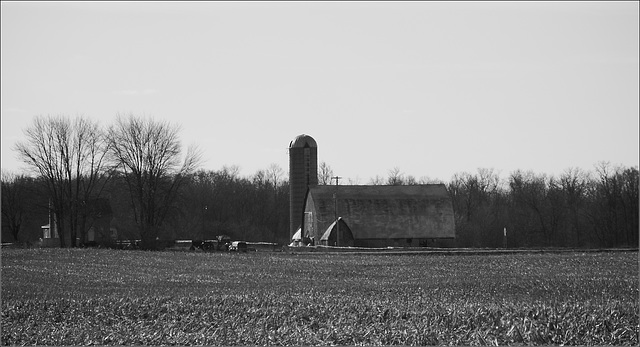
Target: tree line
(578, 208)
(73, 161)
(155, 192)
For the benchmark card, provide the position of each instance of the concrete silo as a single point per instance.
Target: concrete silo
(303, 173)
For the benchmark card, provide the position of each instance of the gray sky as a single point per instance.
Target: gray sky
(432, 88)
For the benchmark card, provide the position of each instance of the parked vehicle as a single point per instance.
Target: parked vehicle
(206, 245)
(224, 242)
(238, 246)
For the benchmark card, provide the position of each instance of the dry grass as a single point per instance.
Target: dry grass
(65, 297)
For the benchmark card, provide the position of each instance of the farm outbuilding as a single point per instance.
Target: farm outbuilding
(330, 236)
(378, 216)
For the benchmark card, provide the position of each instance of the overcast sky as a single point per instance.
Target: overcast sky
(432, 88)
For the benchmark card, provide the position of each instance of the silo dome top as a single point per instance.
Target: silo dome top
(303, 140)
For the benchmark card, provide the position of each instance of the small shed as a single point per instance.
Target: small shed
(379, 216)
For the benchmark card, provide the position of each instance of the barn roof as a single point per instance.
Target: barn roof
(381, 212)
(379, 191)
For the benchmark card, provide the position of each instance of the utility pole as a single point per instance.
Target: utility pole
(335, 210)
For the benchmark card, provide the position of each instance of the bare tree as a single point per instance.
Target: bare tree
(538, 198)
(91, 172)
(69, 156)
(274, 174)
(429, 180)
(324, 174)
(233, 171)
(376, 181)
(476, 205)
(149, 153)
(614, 205)
(396, 177)
(574, 183)
(353, 181)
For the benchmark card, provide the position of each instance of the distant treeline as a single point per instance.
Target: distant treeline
(575, 209)
(132, 180)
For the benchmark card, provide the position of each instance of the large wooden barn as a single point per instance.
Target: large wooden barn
(377, 216)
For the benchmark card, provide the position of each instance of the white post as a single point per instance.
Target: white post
(504, 240)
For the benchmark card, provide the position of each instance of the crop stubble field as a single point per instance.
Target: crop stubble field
(110, 297)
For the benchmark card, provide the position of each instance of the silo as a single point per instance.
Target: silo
(303, 172)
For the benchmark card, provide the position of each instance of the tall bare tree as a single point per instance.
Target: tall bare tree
(274, 174)
(476, 207)
(614, 205)
(574, 183)
(325, 172)
(69, 156)
(149, 153)
(89, 167)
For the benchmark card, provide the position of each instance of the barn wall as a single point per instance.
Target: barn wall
(380, 243)
(380, 221)
(389, 219)
(310, 226)
(323, 214)
(398, 218)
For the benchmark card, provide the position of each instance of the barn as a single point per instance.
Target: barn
(378, 216)
(362, 215)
